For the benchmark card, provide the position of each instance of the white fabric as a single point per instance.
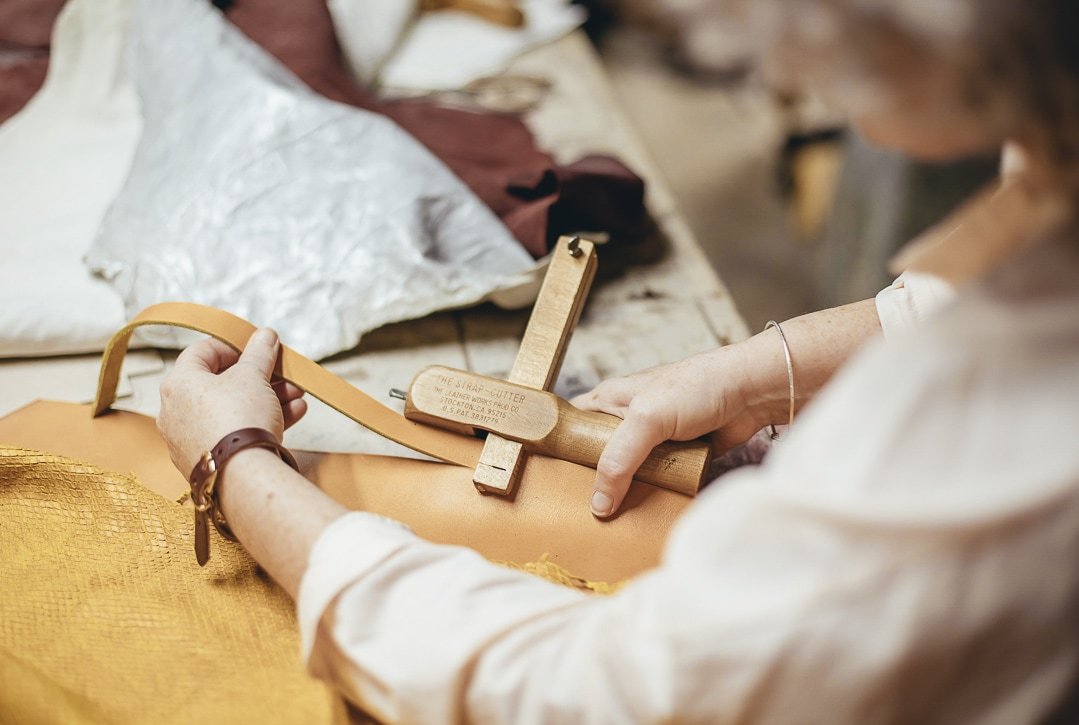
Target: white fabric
(369, 31)
(320, 220)
(910, 300)
(905, 555)
(62, 159)
(442, 50)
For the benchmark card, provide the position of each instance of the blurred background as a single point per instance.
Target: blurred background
(795, 211)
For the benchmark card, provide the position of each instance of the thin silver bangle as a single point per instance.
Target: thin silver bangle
(790, 375)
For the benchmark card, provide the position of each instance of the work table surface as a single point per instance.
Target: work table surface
(639, 314)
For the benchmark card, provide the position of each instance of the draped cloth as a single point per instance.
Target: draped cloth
(493, 153)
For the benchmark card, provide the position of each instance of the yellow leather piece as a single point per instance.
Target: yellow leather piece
(106, 617)
(547, 569)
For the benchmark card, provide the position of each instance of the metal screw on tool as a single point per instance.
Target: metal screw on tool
(574, 247)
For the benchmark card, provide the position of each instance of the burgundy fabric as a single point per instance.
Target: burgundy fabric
(493, 153)
(19, 81)
(25, 31)
(592, 194)
(28, 23)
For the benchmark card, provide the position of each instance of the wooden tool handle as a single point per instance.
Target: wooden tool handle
(580, 436)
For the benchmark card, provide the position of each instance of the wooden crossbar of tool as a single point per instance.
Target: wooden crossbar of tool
(522, 416)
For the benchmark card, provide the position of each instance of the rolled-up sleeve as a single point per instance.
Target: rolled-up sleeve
(398, 623)
(910, 299)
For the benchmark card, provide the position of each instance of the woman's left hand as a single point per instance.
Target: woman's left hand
(213, 391)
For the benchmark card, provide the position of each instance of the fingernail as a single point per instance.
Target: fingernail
(601, 504)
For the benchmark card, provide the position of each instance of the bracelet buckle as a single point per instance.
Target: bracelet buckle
(202, 491)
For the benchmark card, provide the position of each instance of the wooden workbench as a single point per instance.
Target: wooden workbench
(649, 314)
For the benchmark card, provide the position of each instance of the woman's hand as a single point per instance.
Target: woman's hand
(703, 394)
(731, 392)
(213, 391)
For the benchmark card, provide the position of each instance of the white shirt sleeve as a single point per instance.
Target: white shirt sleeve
(910, 299)
(835, 583)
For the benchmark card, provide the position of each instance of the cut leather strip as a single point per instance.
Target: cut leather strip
(293, 367)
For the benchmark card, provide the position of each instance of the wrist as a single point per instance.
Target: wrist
(230, 459)
(762, 378)
(244, 470)
(250, 460)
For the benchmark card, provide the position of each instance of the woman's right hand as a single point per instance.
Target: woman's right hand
(708, 393)
(731, 392)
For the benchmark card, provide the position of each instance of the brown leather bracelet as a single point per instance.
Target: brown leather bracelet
(206, 473)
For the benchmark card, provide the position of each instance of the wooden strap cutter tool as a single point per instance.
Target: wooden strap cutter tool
(522, 416)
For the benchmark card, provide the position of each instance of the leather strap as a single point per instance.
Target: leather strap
(336, 392)
(232, 444)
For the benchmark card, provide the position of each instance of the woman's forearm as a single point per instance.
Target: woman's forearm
(819, 342)
(275, 512)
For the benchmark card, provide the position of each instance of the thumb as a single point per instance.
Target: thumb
(624, 453)
(261, 352)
